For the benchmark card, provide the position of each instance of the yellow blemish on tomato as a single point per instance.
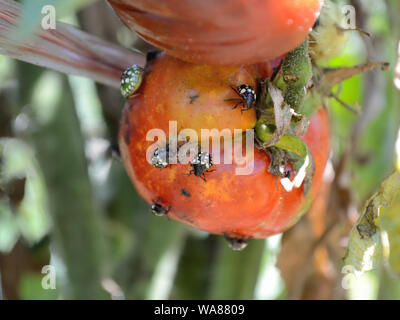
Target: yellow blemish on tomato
(214, 186)
(139, 147)
(159, 107)
(172, 174)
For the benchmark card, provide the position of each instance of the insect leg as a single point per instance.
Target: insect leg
(235, 99)
(237, 104)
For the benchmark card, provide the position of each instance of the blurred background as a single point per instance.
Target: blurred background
(66, 200)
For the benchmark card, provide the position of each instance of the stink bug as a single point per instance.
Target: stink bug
(159, 158)
(158, 210)
(201, 164)
(131, 79)
(247, 96)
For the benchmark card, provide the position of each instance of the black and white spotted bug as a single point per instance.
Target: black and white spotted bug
(237, 244)
(158, 210)
(247, 96)
(159, 158)
(201, 164)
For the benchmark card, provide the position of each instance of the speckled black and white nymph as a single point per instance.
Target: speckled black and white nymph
(247, 96)
(158, 210)
(201, 164)
(160, 157)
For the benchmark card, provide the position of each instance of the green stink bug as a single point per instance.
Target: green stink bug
(131, 79)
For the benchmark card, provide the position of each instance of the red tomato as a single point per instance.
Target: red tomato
(220, 32)
(254, 205)
(194, 95)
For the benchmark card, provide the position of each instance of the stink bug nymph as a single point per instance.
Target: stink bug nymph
(159, 158)
(131, 79)
(237, 244)
(247, 96)
(201, 164)
(158, 210)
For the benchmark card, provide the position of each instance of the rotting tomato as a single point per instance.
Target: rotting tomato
(193, 95)
(220, 32)
(238, 206)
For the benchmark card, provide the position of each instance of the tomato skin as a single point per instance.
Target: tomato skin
(254, 205)
(220, 32)
(194, 95)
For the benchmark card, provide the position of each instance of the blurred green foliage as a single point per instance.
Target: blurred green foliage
(32, 12)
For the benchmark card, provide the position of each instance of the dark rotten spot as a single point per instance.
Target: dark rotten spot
(185, 193)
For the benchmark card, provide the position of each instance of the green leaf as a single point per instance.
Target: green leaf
(380, 221)
(389, 221)
(303, 161)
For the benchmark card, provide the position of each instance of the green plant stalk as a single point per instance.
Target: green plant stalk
(236, 272)
(60, 151)
(195, 266)
(155, 236)
(296, 74)
(292, 80)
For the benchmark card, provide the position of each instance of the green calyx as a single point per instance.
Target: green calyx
(281, 121)
(295, 151)
(287, 142)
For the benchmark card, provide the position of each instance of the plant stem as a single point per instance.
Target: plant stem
(60, 151)
(236, 273)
